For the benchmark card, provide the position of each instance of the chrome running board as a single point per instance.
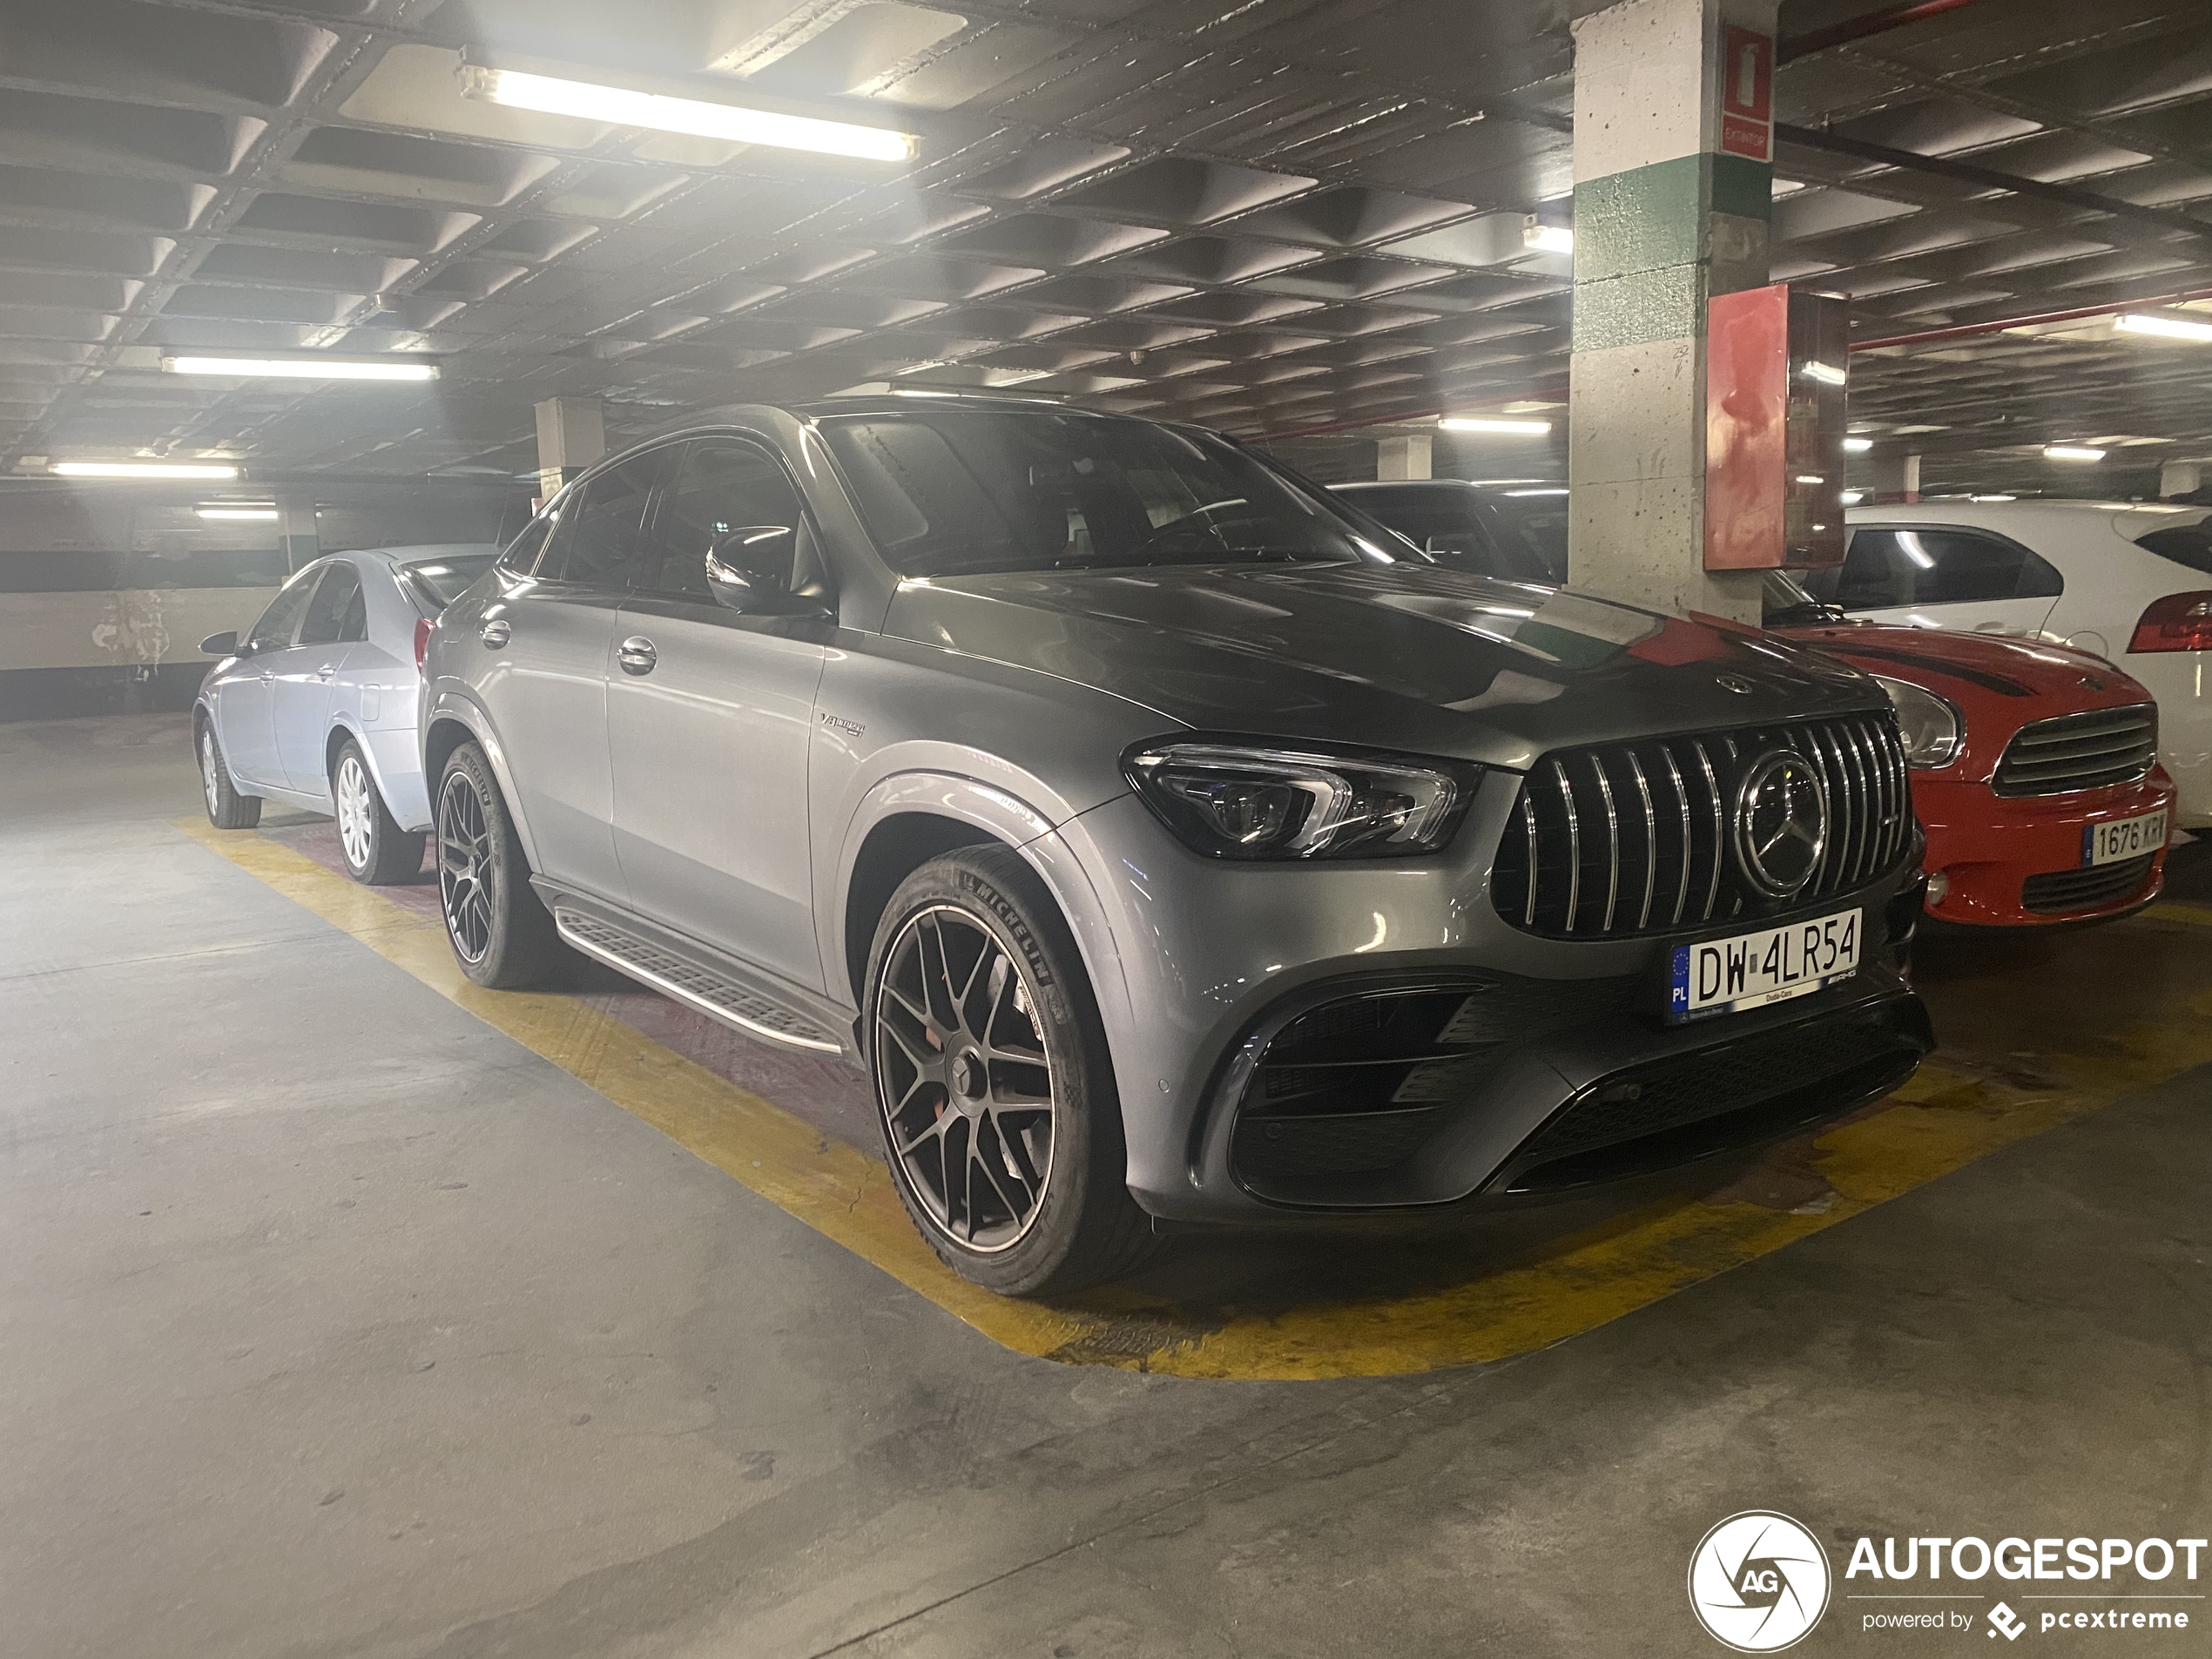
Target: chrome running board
(715, 995)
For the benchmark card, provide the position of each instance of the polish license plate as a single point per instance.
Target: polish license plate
(2127, 837)
(1750, 970)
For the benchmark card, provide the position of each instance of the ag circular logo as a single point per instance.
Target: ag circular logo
(1758, 1581)
(1781, 822)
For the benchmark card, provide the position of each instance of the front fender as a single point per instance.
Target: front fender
(1005, 816)
(449, 701)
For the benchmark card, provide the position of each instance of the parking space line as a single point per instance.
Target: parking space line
(2175, 910)
(1939, 1122)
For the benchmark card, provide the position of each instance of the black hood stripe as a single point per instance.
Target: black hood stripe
(1934, 665)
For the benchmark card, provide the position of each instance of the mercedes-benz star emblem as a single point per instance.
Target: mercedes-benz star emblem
(1781, 823)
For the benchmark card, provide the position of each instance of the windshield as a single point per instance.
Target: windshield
(438, 583)
(1536, 519)
(1785, 603)
(950, 492)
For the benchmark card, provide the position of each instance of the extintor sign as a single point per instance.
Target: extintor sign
(1747, 93)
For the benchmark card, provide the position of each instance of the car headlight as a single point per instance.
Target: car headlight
(1234, 800)
(1933, 728)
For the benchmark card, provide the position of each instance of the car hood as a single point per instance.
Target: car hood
(1998, 684)
(1975, 670)
(1401, 656)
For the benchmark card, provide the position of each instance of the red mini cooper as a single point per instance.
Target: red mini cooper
(2035, 771)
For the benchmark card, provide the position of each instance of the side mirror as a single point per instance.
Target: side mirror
(224, 645)
(749, 570)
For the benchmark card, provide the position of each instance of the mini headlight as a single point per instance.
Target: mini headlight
(1230, 800)
(1934, 730)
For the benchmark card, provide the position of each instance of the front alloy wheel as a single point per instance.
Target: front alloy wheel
(966, 1076)
(354, 827)
(994, 1084)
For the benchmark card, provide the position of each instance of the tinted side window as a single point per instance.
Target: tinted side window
(1441, 522)
(1873, 577)
(2188, 545)
(522, 553)
(596, 543)
(723, 485)
(1943, 567)
(338, 596)
(275, 628)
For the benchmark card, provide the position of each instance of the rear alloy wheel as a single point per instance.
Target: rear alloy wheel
(226, 809)
(499, 927)
(993, 1088)
(378, 852)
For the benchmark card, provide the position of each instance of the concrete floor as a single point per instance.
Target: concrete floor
(336, 1322)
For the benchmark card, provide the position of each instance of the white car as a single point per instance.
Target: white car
(315, 707)
(2130, 581)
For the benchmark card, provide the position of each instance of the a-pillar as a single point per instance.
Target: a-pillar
(1664, 217)
(296, 528)
(1893, 478)
(571, 434)
(2180, 478)
(1406, 455)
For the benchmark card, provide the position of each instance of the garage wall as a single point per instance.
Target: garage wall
(106, 593)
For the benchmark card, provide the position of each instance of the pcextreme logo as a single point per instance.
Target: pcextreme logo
(1758, 1581)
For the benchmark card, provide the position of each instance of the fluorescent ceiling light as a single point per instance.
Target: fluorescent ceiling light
(2071, 452)
(2165, 328)
(1858, 446)
(1810, 478)
(1852, 497)
(139, 470)
(303, 368)
(1993, 498)
(1491, 423)
(1826, 374)
(620, 106)
(1535, 492)
(259, 514)
(1545, 239)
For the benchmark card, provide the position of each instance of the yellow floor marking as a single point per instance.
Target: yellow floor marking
(840, 1192)
(2174, 910)
(1939, 1122)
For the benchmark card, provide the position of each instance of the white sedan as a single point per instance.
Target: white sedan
(315, 706)
(2131, 581)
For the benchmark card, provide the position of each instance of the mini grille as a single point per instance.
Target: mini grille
(1635, 837)
(2079, 751)
(2070, 890)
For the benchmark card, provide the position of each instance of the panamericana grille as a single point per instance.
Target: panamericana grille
(2063, 891)
(1631, 838)
(2079, 751)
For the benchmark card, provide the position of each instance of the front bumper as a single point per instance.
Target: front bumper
(1990, 848)
(1215, 962)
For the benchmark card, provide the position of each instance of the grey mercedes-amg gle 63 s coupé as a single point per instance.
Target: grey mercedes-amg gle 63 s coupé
(1163, 837)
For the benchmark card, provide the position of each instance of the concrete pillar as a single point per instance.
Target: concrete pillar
(571, 434)
(1664, 217)
(1406, 457)
(1893, 478)
(296, 528)
(2180, 478)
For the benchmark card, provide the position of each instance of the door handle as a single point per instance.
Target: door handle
(326, 671)
(636, 655)
(495, 632)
